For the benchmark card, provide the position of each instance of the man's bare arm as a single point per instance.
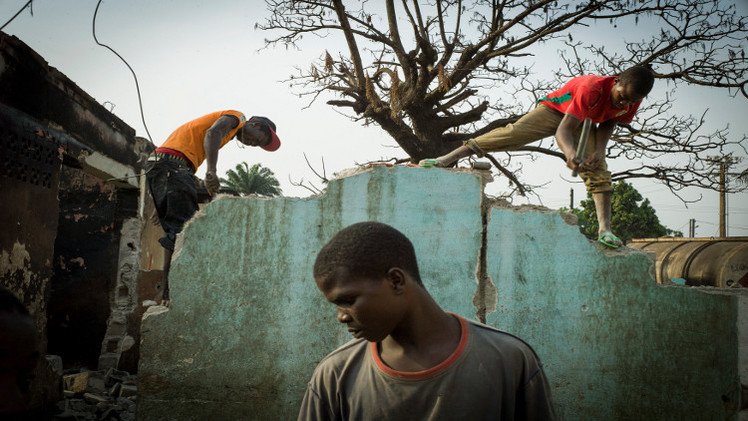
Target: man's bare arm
(213, 136)
(603, 133)
(565, 138)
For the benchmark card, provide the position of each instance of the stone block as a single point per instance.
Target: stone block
(94, 398)
(78, 382)
(96, 382)
(108, 360)
(55, 363)
(113, 375)
(114, 390)
(46, 386)
(116, 328)
(127, 391)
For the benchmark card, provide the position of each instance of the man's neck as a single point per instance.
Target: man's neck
(425, 338)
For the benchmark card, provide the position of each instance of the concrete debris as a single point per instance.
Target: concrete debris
(98, 395)
(97, 382)
(128, 390)
(154, 310)
(55, 363)
(94, 398)
(77, 382)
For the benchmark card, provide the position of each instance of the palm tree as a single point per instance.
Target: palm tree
(255, 180)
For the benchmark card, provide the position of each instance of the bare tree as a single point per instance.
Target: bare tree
(423, 70)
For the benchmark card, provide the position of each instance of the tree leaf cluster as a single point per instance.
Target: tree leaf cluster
(247, 180)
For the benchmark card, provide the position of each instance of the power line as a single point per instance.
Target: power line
(18, 13)
(716, 225)
(137, 86)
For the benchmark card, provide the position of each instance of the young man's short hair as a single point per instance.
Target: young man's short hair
(367, 249)
(640, 77)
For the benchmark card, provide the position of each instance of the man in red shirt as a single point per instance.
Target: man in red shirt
(605, 100)
(171, 168)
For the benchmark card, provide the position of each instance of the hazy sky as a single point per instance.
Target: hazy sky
(193, 57)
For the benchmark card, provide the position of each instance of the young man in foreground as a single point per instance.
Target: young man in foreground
(605, 100)
(411, 360)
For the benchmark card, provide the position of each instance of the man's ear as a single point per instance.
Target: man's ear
(397, 279)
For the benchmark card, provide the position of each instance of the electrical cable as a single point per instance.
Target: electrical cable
(137, 86)
(18, 13)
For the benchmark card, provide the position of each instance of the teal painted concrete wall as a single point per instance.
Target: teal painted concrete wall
(614, 343)
(247, 325)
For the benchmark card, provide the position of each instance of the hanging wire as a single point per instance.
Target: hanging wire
(18, 13)
(137, 86)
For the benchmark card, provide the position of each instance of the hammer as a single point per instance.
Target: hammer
(582, 145)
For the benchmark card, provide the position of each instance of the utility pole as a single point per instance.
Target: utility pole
(571, 198)
(722, 199)
(692, 228)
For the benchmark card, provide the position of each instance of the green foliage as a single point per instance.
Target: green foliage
(630, 218)
(252, 180)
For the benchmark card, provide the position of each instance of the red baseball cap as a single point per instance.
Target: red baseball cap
(269, 127)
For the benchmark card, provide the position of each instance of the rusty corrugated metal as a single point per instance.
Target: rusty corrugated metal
(712, 261)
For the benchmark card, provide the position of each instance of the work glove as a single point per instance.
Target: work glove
(211, 183)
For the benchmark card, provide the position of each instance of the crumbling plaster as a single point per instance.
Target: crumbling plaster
(247, 326)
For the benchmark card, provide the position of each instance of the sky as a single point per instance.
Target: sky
(193, 57)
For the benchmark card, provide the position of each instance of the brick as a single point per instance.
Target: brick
(55, 363)
(128, 390)
(77, 382)
(94, 398)
(108, 360)
(96, 382)
(114, 390)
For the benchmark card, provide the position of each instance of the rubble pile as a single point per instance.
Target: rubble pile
(98, 395)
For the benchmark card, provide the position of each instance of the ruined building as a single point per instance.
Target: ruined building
(71, 213)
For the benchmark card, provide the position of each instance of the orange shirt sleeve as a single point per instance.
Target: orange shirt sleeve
(189, 137)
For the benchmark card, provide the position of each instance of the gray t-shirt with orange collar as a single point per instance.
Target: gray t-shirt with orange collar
(491, 375)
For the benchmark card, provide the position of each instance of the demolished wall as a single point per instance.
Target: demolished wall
(247, 325)
(68, 188)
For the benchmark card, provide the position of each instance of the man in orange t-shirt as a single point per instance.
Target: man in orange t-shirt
(171, 168)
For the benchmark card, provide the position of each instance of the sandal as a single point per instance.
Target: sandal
(608, 239)
(429, 162)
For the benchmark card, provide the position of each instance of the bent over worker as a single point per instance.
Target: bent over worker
(605, 100)
(171, 167)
